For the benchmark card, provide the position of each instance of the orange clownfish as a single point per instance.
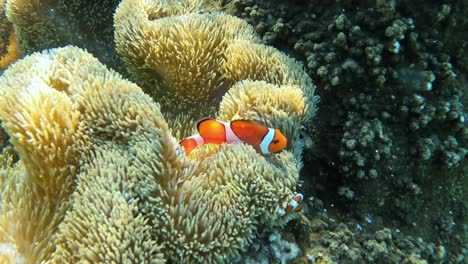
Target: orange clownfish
(210, 131)
(295, 205)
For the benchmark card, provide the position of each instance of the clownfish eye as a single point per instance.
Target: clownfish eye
(275, 141)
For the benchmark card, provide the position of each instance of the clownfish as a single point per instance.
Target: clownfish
(210, 131)
(294, 206)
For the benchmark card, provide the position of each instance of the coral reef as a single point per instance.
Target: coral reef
(7, 154)
(54, 23)
(330, 242)
(110, 183)
(317, 237)
(9, 51)
(169, 47)
(90, 168)
(390, 138)
(283, 106)
(273, 249)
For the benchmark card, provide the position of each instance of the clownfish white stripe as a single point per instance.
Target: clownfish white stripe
(231, 137)
(198, 139)
(294, 204)
(267, 139)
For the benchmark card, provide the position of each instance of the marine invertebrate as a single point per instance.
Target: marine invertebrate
(183, 64)
(284, 106)
(393, 105)
(109, 162)
(128, 191)
(47, 24)
(9, 51)
(190, 60)
(45, 140)
(331, 242)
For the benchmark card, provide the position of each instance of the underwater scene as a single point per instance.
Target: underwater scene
(233, 131)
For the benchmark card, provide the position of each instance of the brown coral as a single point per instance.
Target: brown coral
(55, 23)
(9, 51)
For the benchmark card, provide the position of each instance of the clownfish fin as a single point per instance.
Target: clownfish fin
(191, 143)
(249, 132)
(298, 209)
(212, 130)
(188, 144)
(294, 205)
(255, 122)
(201, 121)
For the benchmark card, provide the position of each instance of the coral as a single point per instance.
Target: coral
(316, 237)
(12, 52)
(100, 177)
(177, 58)
(364, 135)
(274, 246)
(106, 181)
(3, 138)
(328, 241)
(54, 23)
(190, 60)
(49, 139)
(283, 250)
(388, 147)
(279, 106)
(5, 27)
(393, 107)
(8, 157)
(9, 51)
